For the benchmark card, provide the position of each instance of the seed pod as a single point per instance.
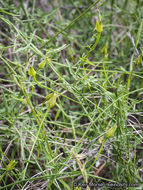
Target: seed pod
(31, 71)
(111, 132)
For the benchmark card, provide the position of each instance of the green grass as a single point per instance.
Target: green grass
(71, 94)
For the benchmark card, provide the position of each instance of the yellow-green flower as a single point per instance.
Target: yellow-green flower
(111, 132)
(48, 96)
(42, 64)
(11, 165)
(52, 100)
(31, 71)
(138, 60)
(99, 26)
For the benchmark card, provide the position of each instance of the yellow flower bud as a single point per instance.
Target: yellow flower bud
(111, 132)
(31, 71)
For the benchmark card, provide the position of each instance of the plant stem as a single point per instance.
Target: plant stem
(98, 154)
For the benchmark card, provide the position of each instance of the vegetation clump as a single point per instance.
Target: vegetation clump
(71, 94)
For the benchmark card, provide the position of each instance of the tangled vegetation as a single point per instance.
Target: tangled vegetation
(71, 94)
